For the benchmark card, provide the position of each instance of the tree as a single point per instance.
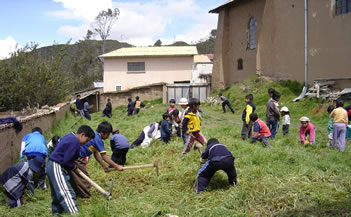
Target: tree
(28, 80)
(158, 43)
(103, 24)
(206, 46)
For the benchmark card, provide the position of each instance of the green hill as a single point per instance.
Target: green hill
(289, 179)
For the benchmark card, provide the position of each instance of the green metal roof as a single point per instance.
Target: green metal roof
(152, 51)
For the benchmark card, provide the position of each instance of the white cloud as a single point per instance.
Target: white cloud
(141, 22)
(7, 46)
(83, 9)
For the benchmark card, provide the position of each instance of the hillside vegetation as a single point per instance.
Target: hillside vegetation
(288, 179)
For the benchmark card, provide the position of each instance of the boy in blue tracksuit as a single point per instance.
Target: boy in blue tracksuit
(219, 158)
(61, 161)
(34, 146)
(166, 128)
(97, 148)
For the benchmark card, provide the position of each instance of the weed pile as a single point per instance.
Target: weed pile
(288, 179)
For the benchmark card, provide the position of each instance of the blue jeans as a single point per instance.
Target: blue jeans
(273, 127)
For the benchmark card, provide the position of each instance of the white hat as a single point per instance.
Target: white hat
(305, 119)
(183, 101)
(284, 109)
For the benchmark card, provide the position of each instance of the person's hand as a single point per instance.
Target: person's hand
(180, 125)
(187, 132)
(202, 161)
(106, 169)
(119, 168)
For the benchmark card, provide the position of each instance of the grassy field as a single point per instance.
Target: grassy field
(289, 179)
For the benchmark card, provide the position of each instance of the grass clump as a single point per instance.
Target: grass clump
(289, 179)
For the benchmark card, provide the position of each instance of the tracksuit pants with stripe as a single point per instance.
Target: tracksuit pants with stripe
(210, 168)
(62, 193)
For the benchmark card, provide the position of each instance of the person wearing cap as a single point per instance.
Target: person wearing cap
(340, 123)
(34, 146)
(19, 177)
(307, 129)
(96, 147)
(183, 102)
(119, 146)
(216, 157)
(285, 119)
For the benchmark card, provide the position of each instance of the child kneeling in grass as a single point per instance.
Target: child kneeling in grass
(219, 158)
(61, 161)
(261, 131)
(307, 129)
(119, 146)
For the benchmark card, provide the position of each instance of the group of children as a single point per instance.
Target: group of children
(66, 155)
(134, 106)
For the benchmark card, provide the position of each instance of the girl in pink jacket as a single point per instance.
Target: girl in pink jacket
(307, 129)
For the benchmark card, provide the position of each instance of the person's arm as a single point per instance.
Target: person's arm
(311, 133)
(185, 125)
(151, 130)
(100, 161)
(204, 154)
(108, 160)
(248, 112)
(256, 131)
(302, 135)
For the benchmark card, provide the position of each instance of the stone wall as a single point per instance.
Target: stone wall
(10, 142)
(118, 98)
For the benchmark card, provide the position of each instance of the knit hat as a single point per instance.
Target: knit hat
(284, 109)
(304, 119)
(37, 164)
(183, 101)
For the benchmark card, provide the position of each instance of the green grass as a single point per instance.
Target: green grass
(289, 179)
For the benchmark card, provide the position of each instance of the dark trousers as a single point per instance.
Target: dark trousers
(41, 182)
(130, 112)
(119, 156)
(273, 127)
(87, 115)
(226, 102)
(246, 130)
(136, 111)
(139, 140)
(265, 141)
(12, 202)
(210, 168)
(166, 139)
(285, 129)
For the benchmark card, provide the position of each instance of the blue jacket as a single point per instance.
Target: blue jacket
(166, 129)
(216, 152)
(118, 141)
(35, 145)
(79, 104)
(66, 151)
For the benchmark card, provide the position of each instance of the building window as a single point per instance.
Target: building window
(343, 6)
(136, 67)
(118, 87)
(240, 64)
(252, 33)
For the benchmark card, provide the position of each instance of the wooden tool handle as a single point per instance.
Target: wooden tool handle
(101, 190)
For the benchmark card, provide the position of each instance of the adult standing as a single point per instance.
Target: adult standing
(79, 106)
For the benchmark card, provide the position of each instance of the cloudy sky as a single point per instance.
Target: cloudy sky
(141, 22)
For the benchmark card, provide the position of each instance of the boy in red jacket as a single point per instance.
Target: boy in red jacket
(261, 131)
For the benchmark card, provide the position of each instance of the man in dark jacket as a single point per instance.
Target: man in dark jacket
(79, 106)
(273, 114)
(219, 158)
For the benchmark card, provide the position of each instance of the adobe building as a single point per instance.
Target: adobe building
(268, 37)
(128, 68)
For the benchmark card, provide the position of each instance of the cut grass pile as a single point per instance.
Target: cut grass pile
(289, 179)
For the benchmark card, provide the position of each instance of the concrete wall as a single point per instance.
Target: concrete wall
(10, 142)
(118, 98)
(280, 41)
(157, 69)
